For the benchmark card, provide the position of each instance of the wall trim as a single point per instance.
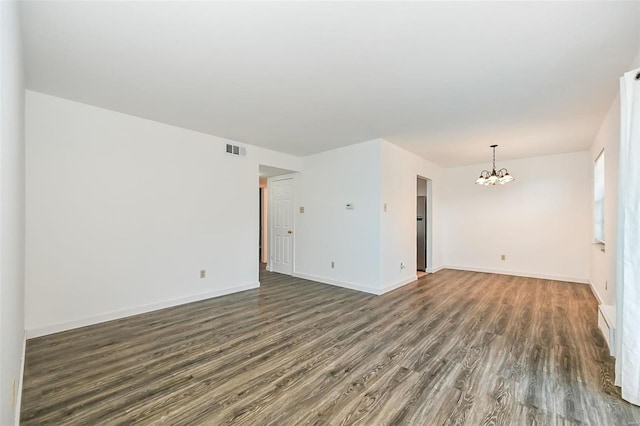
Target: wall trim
(398, 284)
(83, 322)
(434, 270)
(20, 380)
(343, 284)
(595, 293)
(630, 395)
(518, 274)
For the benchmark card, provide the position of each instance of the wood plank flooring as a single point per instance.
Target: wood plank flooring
(454, 347)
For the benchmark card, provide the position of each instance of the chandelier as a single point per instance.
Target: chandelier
(494, 177)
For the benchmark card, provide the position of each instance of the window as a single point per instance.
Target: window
(598, 192)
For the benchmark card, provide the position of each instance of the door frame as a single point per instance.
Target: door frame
(270, 218)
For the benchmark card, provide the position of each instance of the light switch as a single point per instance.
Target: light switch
(349, 206)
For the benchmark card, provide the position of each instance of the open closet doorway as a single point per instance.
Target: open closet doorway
(423, 226)
(276, 239)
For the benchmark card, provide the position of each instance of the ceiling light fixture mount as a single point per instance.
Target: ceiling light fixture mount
(494, 177)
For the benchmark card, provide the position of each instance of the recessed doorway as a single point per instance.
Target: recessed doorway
(423, 226)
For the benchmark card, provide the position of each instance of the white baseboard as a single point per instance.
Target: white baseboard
(434, 270)
(518, 273)
(631, 395)
(358, 287)
(399, 284)
(56, 328)
(343, 284)
(20, 381)
(595, 293)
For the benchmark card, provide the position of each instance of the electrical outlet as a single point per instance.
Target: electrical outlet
(301, 209)
(333, 264)
(384, 206)
(401, 265)
(203, 273)
(606, 285)
(503, 257)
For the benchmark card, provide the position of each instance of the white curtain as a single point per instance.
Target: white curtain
(628, 245)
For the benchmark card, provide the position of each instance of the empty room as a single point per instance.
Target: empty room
(329, 213)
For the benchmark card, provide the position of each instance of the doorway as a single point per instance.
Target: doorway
(276, 220)
(262, 223)
(423, 226)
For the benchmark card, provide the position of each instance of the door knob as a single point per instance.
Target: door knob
(289, 232)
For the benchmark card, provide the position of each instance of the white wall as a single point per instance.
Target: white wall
(399, 172)
(603, 263)
(541, 221)
(367, 244)
(123, 213)
(327, 231)
(12, 193)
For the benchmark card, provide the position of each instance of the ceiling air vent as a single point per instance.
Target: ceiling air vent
(236, 150)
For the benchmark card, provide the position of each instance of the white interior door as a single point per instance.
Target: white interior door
(281, 253)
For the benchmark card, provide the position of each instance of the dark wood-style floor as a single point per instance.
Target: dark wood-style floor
(452, 348)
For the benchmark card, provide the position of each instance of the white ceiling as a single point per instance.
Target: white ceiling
(444, 80)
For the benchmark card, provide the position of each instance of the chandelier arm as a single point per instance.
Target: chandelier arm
(494, 176)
